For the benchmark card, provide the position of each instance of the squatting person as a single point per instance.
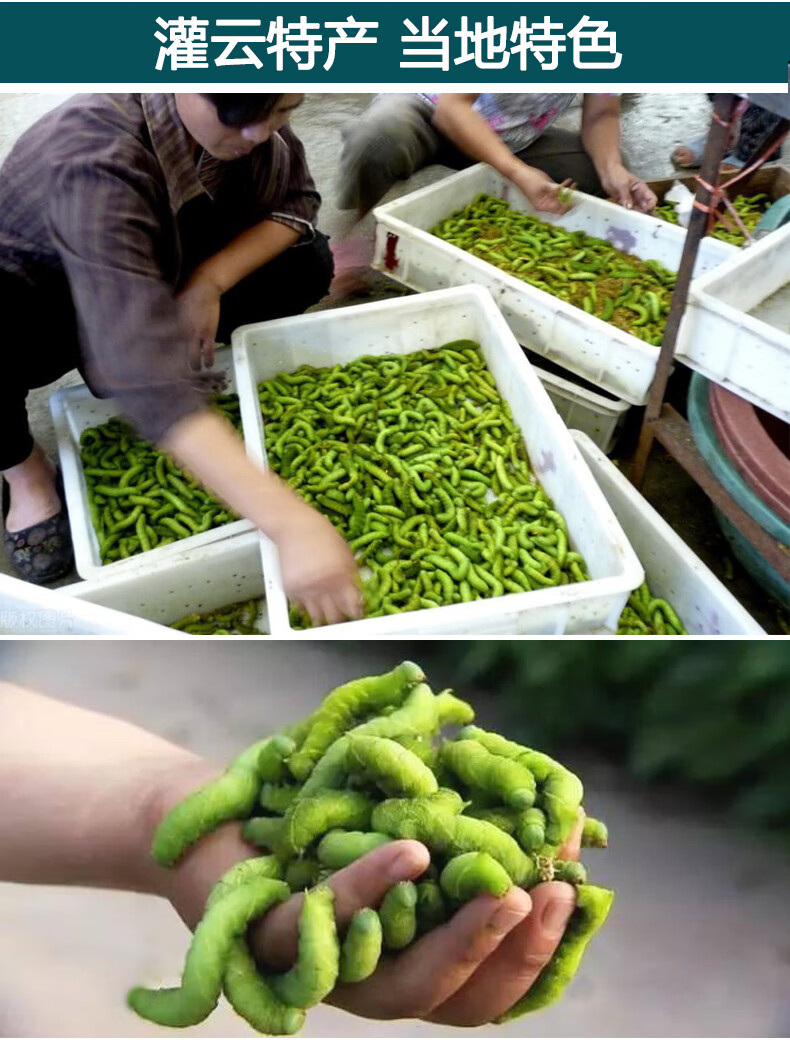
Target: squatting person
(135, 231)
(400, 134)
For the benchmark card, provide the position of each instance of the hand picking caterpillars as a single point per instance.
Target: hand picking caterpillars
(372, 764)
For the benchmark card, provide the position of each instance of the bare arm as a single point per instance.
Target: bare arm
(456, 118)
(199, 299)
(246, 253)
(319, 571)
(601, 140)
(459, 121)
(601, 131)
(318, 568)
(77, 791)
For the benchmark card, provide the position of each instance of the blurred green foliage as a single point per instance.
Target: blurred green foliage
(715, 714)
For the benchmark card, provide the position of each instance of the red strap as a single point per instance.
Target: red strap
(719, 192)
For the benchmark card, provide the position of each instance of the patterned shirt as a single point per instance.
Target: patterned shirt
(108, 192)
(519, 118)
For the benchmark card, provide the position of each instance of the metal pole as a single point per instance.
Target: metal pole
(715, 150)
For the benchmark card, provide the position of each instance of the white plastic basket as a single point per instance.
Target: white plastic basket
(192, 581)
(597, 416)
(75, 409)
(749, 356)
(27, 609)
(673, 571)
(423, 321)
(604, 355)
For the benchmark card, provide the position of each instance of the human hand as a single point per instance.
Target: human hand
(318, 569)
(466, 972)
(199, 303)
(628, 190)
(542, 192)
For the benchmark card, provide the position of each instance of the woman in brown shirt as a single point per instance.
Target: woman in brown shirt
(135, 230)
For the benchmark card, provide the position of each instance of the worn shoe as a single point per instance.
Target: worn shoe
(41, 553)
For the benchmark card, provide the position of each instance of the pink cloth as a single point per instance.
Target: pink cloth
(356, 251)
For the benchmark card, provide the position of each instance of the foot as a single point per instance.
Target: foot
(350, 283)
(33, 495)
(352, 257)
(690, 156)
(686, 158)
(36, 535)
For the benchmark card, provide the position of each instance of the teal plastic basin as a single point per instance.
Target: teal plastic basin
(754, 563)
(719, 463)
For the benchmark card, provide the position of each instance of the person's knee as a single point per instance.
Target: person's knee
(288, 285)
(387, 146)
(321, 268)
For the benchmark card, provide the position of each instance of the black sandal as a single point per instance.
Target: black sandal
(41, 553)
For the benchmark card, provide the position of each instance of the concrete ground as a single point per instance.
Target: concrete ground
(653, 124)
(696, 945)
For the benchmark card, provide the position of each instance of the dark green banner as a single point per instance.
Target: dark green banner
(368, 43)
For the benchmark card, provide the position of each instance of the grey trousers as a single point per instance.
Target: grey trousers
(396, 137)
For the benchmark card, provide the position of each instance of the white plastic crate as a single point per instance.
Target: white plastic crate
(673, 571)
(74, 410)
(27, 609)
(584, 410)
(193, 581)
(424, 321)
(746, 354)
(604, 355)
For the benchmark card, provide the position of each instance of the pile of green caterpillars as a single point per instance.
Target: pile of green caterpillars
(369, 766)
(417, 461)
(646, 614)
(137, 497)
(587, 272)
(748, 208)
(237, 618)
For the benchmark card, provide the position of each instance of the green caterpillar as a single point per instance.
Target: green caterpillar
(592, 908)
(450, 834)
(644, 614)
(562, 791)
(362, 946)
(529, 826)
(431, 906)
(398, 915)
(278, 797)
(308, 818)
(500, 777)
(340, 848)
(272, 759)
(223, 923)
(302, 873)
(232, 796)
(315, 972)
(249, 995)
(472, 874)
(390, 766)
(350, 701)
(569, 870)
(594, 833)
(420, 713)
(749, 208)
(238, 618)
